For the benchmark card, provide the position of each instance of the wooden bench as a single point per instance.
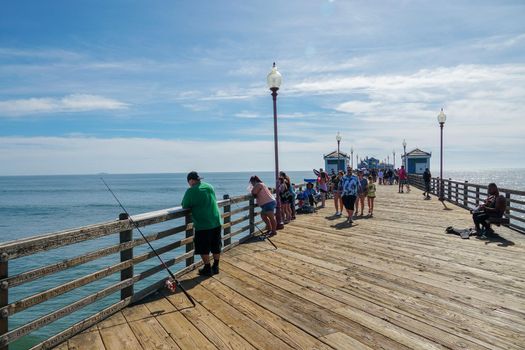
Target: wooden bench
(505, 221)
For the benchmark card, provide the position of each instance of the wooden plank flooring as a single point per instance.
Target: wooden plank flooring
(394, 281)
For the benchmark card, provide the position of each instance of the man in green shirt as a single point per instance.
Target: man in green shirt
(207, 222)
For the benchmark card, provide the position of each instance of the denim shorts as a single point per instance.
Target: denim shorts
(270, 206)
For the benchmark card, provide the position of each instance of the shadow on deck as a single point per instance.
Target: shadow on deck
(394, 281)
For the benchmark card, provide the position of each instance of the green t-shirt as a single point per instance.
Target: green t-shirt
(200, 198)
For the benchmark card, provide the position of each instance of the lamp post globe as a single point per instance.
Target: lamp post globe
(394, 157)
(338, 139)
(274, 80)
(442, 117)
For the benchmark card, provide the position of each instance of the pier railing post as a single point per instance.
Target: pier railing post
(189, 233)
(127, 254)
(507, 208)
(477, 195)
(227, 219)
(465, 194)
(449, 189)
(252, 216)
(4, 295)
(456, 192)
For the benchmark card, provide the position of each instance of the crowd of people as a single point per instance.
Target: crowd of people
(350, 191)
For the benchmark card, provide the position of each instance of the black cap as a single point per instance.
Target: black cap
(192, 175)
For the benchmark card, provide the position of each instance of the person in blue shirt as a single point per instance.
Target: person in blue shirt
(310, 193)
(362, 188)
(349, 185)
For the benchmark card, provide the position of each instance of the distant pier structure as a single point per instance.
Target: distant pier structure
(332, 159)
(417, 161)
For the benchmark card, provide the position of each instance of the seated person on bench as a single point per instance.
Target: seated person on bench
(494, 207)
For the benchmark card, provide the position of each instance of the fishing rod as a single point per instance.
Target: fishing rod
(171, 285)
(263, 235)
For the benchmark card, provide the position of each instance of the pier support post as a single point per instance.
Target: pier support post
(126, 236)
(4, 295)
(227, 219)
(465, 194)
(507, 208)
(252, 216)
(189, 233)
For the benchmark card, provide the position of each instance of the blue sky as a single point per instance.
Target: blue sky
(168, 86)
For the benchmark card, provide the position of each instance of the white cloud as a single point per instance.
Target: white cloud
(499, 42)
(88, 155)
(85, 155)
(70, 103)
(247, 115)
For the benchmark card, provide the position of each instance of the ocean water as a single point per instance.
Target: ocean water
(33, 205)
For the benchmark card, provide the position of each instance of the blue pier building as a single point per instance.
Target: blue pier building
(331, 159)
(417, 161)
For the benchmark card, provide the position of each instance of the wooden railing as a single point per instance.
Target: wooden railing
(468, 195)
(239, 216)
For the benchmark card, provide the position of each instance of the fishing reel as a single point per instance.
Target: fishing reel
(171, 285)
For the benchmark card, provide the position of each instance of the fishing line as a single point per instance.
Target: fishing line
(263, 235)
(169, 284)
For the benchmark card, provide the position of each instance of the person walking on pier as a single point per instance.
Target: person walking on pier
(371, 195)
(402, 178)
(427, 177)
(207, 222)
(349, 193)
(266, 201)
(336, 190)
(362, 188)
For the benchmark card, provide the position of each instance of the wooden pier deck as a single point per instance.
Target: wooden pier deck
(395, 281)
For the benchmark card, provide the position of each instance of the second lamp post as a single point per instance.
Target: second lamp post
(274, 80)
(338, 139)
(441, 120)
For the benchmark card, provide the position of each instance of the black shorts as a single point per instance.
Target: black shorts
(348, 202)
(207, 241)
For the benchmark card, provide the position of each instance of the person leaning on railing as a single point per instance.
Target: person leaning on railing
(493, 207)
(266, 201)
(207, 222)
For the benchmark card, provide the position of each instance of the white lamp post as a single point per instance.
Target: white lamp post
(405, 154)
(394, 157)
(441, 120)
(352, 156)
(338, 139)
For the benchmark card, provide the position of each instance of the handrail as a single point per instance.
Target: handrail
(42, 244)
(470, 195)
